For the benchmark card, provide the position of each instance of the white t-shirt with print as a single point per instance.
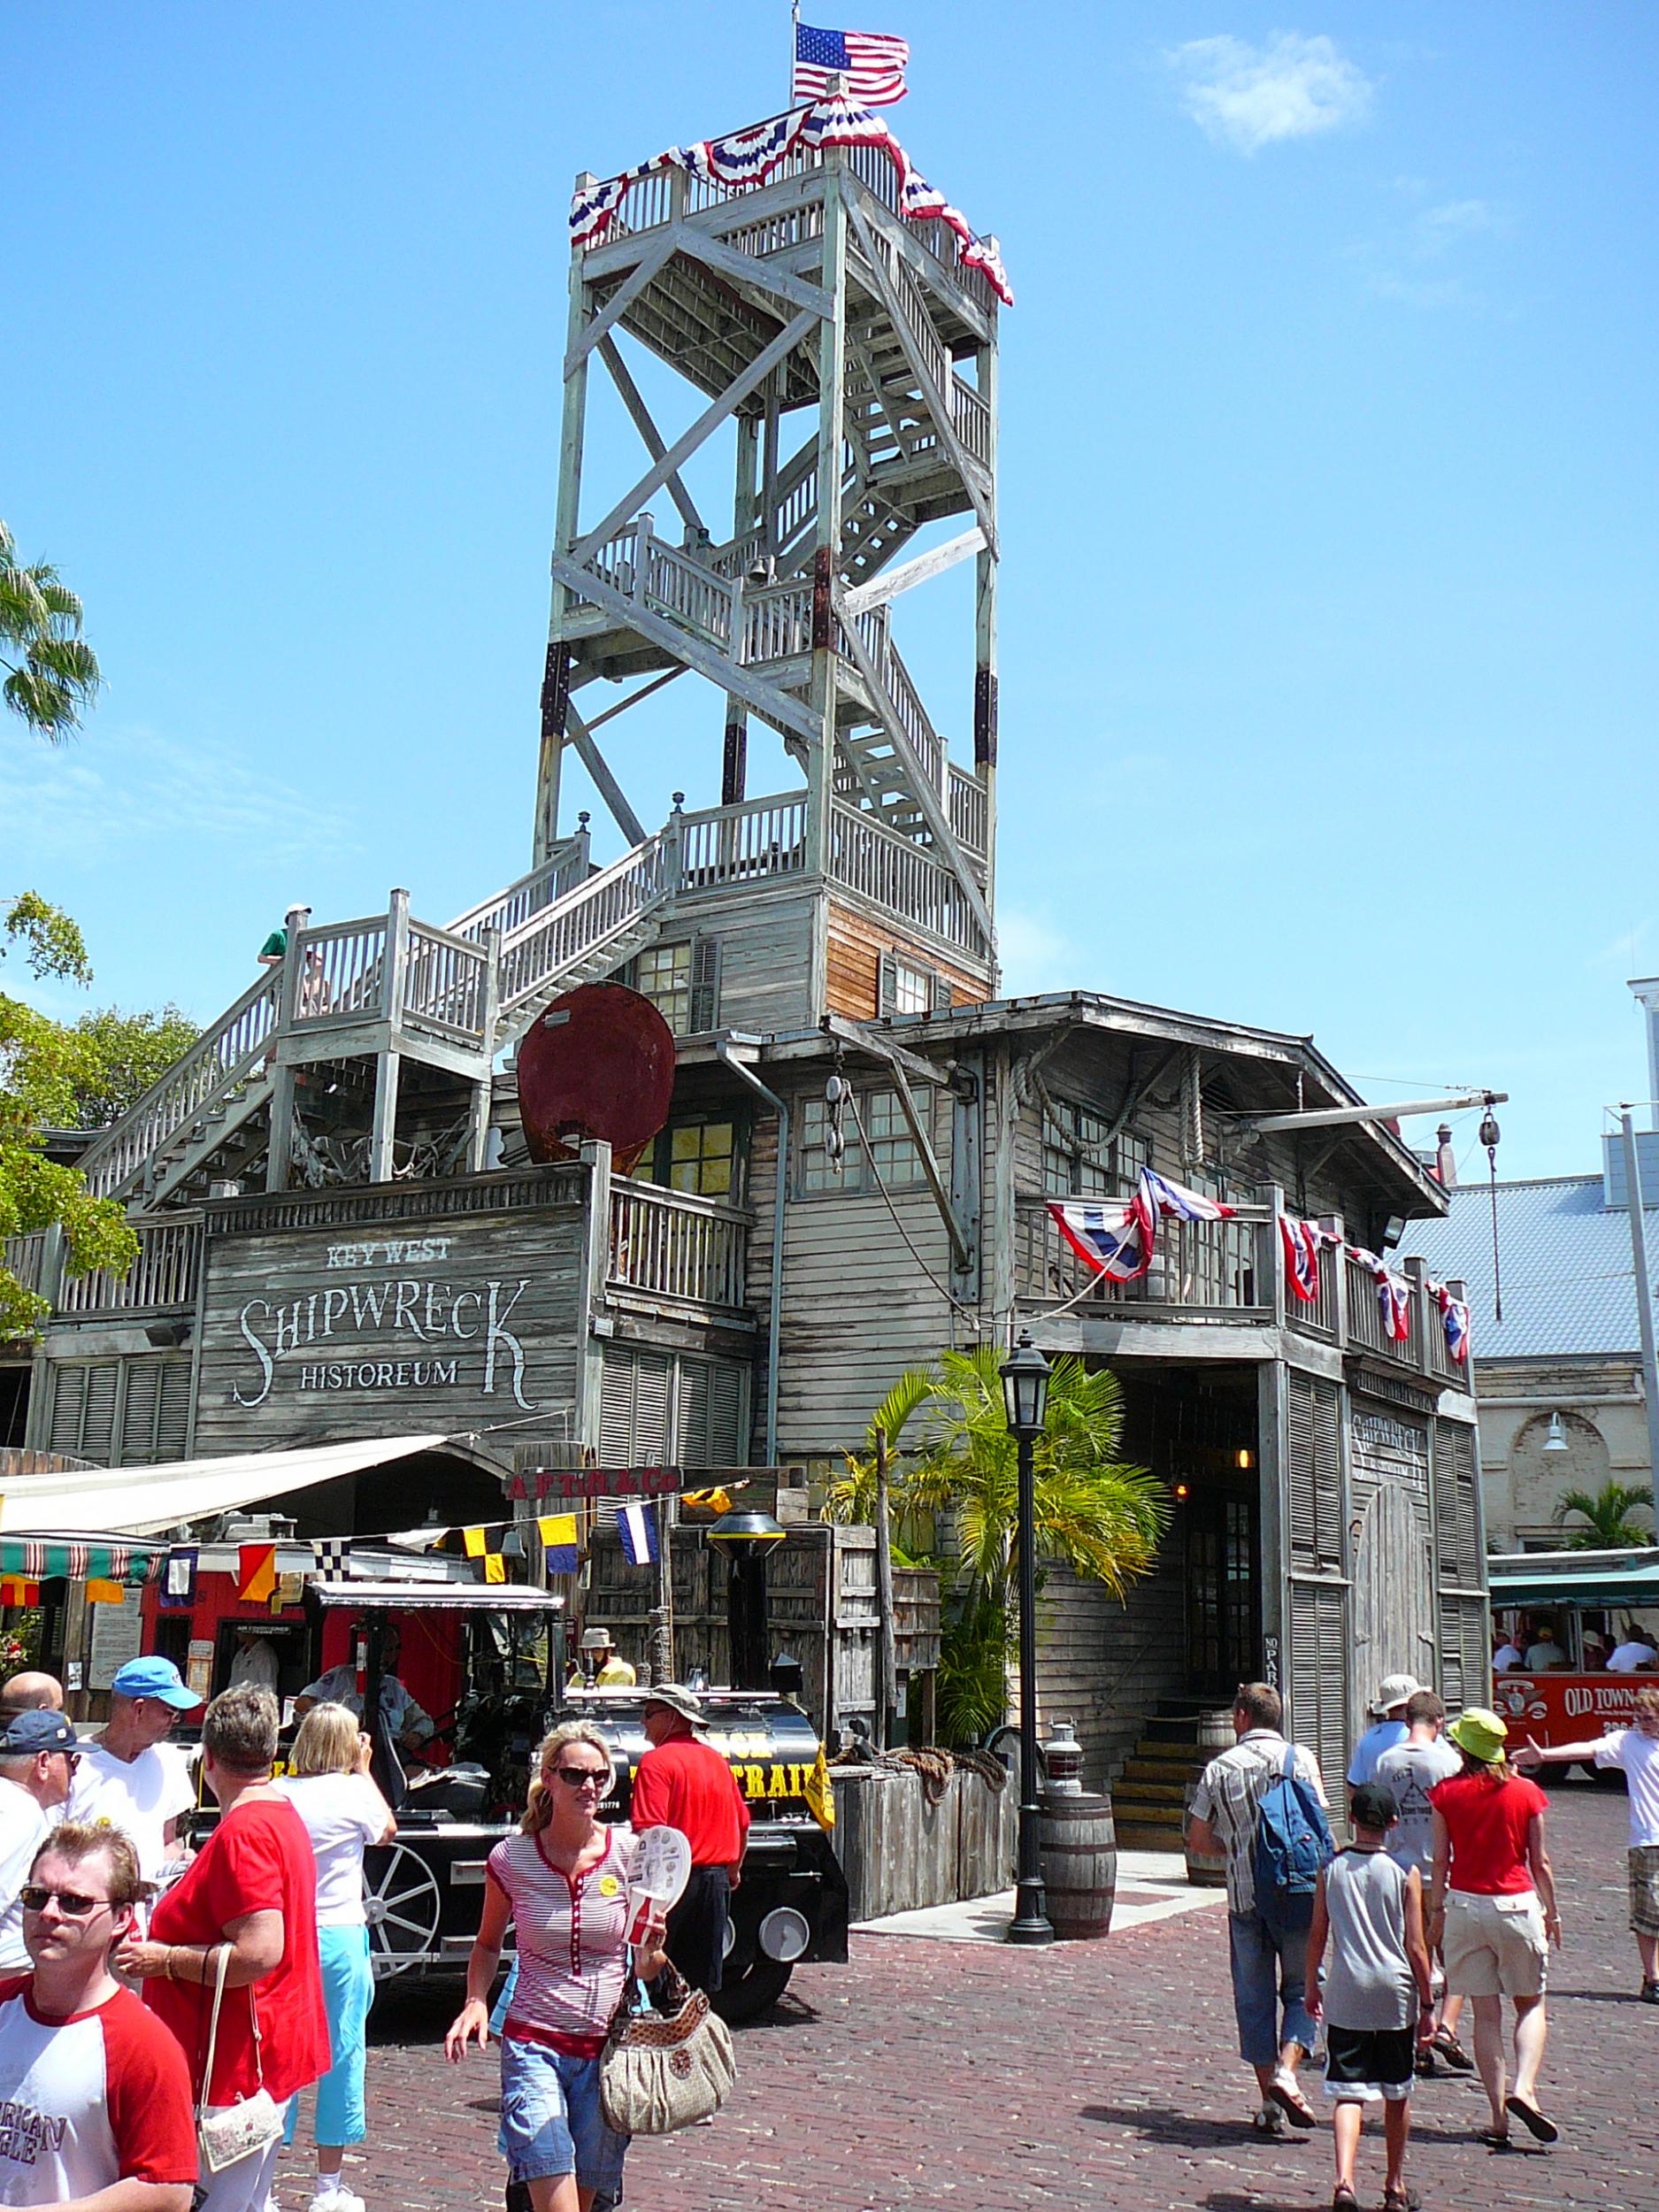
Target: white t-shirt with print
(1410, 1771)
(343, 1813)
(24, 1827)
(1639, 1756)
(139, 1796)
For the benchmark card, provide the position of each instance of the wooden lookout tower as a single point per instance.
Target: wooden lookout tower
(854, 356)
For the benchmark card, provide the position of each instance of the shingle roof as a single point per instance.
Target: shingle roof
(1565, 1261)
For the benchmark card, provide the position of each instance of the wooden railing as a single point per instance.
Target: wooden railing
(446, 989)
(222, 1059)
(737, 844)
(969, 810)
(24, 1256)
(342, 971)
(776, 622)
(165, 1274)
(1365, 1321)
(610, 902)
(1320, 1316)
(671, 1244)
(1202, 1269)
(903, 877)
(565, 867)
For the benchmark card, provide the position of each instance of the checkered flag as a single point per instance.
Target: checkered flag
(333, 1557)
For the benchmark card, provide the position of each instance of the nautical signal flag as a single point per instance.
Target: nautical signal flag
(636, 1524)
(177, 1578)
(15, 1590)
(476, 1541)
(100, 1592)
(557, 1532)
(495, 1567)
(872, 64)
(255, 1573)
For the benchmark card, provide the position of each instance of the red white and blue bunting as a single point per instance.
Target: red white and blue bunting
(749, 156)
(1454, 1317)
(1302, 1241)
(1118, 1241)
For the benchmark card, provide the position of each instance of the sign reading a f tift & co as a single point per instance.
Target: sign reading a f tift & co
(305, 1331)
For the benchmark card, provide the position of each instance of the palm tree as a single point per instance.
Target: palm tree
(56, 673)
(956, 1495)
(1608, 1512)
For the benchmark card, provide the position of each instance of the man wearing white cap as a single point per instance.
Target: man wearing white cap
(1389, 1726)
(132, 1777)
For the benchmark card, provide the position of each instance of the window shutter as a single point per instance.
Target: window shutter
(887, 983)
(1464, 1646)
(1318, 1677)
(173, 1420)
(69, 1397)
(1314, 1477)
(942, 994)
(691, 1436)
(97, 1426)
(728, 1416)
(616, 1411)
(705, 984)
(138, 1414)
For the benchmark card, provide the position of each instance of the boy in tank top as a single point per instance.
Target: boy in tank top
(1368, 1912)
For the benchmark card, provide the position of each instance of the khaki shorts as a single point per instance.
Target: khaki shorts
(1496, 1946)
(1644, 1889)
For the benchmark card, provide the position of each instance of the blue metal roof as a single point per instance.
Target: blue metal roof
(1564, 1258)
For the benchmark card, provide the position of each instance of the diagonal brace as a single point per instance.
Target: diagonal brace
(633, 401)
(617, 305)
(758, 370)
(609, 789)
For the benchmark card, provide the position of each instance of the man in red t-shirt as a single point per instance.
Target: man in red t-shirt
(95, 2094)
(683, 1783)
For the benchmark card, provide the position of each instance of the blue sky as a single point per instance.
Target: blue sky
(1328, 637)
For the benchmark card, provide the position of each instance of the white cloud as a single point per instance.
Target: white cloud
(1035, 956)
(122, 786)
(1440, 228)
(1250, 96)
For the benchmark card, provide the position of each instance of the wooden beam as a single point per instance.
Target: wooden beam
(609, 789)
(685, 445)
(632, 400)
(776, 706)
(634, 698)
(860, 1037)
(618, 305)
(910, 573)
(748, 270)
(961, 1250)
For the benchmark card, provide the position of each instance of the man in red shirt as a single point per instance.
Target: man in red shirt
(95, 2094)
(684, 1784)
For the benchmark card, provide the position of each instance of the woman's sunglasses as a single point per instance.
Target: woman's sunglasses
(575, 1777)
(71, 1902)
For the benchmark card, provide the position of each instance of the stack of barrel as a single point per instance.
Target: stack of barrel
(1079, 1844)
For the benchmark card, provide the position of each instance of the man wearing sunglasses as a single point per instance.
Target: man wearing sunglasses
(95, 2094)
(37, 1764)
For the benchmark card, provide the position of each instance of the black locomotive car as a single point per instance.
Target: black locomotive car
(791, 1903)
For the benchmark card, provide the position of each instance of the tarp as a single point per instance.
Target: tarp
(131, 1500)
(79, 1558)
(1583, 1579)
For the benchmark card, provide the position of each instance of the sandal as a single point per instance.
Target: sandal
(1402, 2201)
(1343, 2200)
(1291, 2103)
(1452, 2051)
(1533, 2120)
(1494, 2138)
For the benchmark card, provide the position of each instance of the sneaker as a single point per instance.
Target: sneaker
(1267, 2119)
(1650, 1992)
(339, 2200)
(1451, 2050)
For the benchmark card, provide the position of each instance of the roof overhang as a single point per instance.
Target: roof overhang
(1589, 1578)
(146, 1500)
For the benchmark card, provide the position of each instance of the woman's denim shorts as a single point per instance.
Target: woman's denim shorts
(550, 2120)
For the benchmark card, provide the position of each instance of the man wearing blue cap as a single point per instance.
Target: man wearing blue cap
(131, 1776)
(37, 1764)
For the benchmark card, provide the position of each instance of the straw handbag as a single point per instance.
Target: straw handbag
(665, 2070)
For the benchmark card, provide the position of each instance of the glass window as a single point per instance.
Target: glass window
(912, 989)
(663, 974)
(702, 1157)
(891, 1147)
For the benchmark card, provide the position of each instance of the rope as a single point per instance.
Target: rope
(969, 1313)
(931, 1762)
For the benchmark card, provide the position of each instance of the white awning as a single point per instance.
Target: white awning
(137, 1501)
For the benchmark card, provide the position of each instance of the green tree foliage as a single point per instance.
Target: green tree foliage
(1607, 1512)
(955, 1484)
(131, 1051)
(52, 673)
(45, 1067)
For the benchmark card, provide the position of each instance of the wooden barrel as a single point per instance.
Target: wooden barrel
(1216, 1730)
(1208, 1868)
(1079, 1864)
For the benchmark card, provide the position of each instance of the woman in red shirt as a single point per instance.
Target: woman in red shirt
(1491, 1912)
(252, 1887)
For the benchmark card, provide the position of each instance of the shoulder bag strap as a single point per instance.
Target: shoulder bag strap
(212, 2030)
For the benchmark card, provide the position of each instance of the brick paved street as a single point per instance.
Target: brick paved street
(951, 2074)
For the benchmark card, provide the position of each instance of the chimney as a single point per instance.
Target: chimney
(1445, 1158)
(1647, 991)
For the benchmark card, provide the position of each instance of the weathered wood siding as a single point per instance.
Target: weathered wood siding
(126, 1409)
(1103, 1665)
(765, 942)
(901, 1852)
(346, 1325)
(853, 961)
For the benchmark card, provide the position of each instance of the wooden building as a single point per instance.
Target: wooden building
(341, 1232)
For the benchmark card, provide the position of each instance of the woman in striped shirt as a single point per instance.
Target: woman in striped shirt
(562, 1883)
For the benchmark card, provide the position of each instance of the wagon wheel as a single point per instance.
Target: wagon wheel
(401, 1902)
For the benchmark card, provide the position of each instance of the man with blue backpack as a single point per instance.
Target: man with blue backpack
(1263, 1804)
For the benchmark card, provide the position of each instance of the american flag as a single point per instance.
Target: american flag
(872, 63)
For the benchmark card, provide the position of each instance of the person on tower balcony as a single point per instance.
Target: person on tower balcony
(683, 1783)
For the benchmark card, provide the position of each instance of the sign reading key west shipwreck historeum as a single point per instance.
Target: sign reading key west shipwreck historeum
(312, 1332)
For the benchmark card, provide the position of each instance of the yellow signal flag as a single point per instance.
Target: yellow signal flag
(102, 1592)
(819, 1793)
(476, 1540)
(716, 1500)
(495, 1567)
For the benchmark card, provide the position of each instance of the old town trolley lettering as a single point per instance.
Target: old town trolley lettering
(310, 1336)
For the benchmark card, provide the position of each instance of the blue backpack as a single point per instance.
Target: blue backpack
(1293, 1841)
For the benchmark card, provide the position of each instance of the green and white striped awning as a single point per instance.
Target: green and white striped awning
(79, 1558)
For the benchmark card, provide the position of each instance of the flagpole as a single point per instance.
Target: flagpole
(795, 42)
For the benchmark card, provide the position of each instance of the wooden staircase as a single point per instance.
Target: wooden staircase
(1149, 1796)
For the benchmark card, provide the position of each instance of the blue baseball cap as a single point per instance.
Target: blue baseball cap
(27, 1733)
(155, 1677)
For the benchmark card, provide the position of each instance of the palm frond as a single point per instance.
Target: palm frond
(70, 660)
(42, 701)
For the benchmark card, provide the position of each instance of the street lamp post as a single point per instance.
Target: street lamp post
(1026, 1399)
